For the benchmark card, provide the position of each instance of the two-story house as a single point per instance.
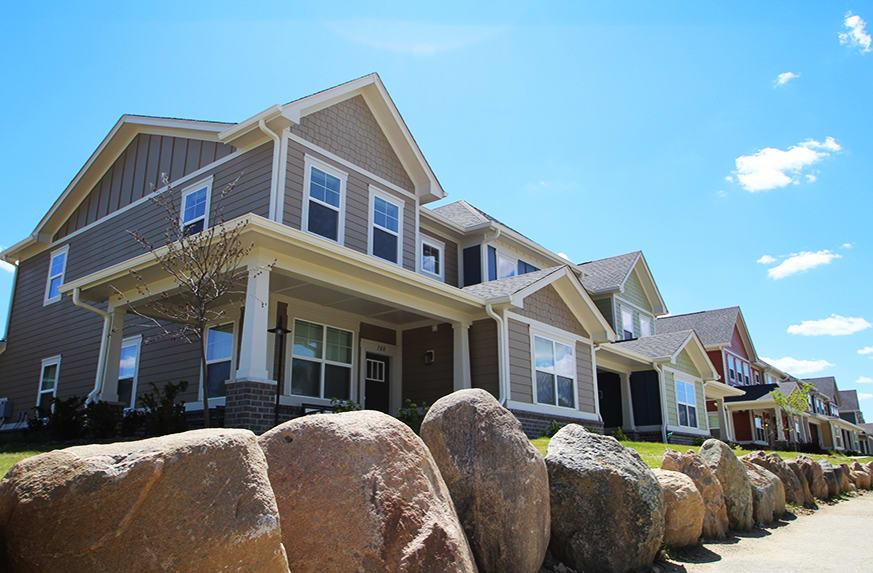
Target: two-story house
(386, 299)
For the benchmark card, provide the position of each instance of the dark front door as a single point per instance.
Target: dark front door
(609, 384)
(376, 382)
(813, 434)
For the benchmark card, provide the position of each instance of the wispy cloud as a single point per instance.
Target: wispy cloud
(772, 168)
(866, 351)
(834, 325)
(855, 34)
(564, 256)
(864, 395)
(411, 37)
(766, 260)
(4, 266)
(784, 78)
(864, 380)
(798, 262)
(848, 246)
(799, 367)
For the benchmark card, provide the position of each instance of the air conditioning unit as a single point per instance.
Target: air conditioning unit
(5, 408)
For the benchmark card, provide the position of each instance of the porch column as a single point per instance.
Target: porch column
(253, 347)
(461, 355)
(722, 420)
(627, 404)
(112, 355)
(780, 429)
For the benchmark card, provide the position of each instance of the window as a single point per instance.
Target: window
(627, 324)
(385, 227)
(321, 361)
(757, 377)
(686, 404)
(524, 267)
(746, 373)
(555, 373)
(506, 266)
(432, 257)
(760, 436)
(645, 326)
(219, 359)
(128, 368)
(731, 373)
(195, 207)
(797, 429)
(323, 204)
(49, 375)
(57, 269)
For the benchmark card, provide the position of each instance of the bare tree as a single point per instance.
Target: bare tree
(206, 265)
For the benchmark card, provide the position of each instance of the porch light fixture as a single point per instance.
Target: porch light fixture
(429, 356)
(281, 332)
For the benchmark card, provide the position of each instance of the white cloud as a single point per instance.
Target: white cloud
(834, 325)
(564, 256)
(856, 35)
(799, 262)
(864, 395)
(729, 178)
(772, 168)
(865, 351)
(4, 266)
(410, 37)
(721, 193)
(811, 177)
(797, 366)
(864, 380)
(848, 246)
(766, 260)
(784, 78)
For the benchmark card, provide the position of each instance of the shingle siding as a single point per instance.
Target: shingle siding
(547, 306)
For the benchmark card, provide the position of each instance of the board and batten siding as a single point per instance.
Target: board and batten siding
(139, 170)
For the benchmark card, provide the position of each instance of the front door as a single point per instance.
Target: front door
(609, 384)
(376, 386)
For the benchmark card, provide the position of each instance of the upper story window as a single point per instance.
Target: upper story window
(195, 207)
(324, 200)
(386, 220)
(554, 372)
(431, 257)
(731, 372)
(49, 376)
(219, 359)
(645, 326)
(686, 403)
(627, 324)
(57, 269)
(525, 267)
(746, 373)
(128, 368)
(757, 377)
(506, 266)
(321, 361)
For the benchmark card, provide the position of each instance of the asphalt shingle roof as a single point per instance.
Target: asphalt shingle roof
(506, 287)
(826, 385)
(466, 215)
(712, 326)
(608, 274)
(849, 400)
(657, 346)
(753, 392)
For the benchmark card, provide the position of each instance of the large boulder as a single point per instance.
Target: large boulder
(814, 476)
(842, 473)
(715, 518)
(776, 465)
(607, 505)
(860, 479)
(359, 491)
(496, 477)
(197, 501)
(830, 478)
(866, 479)
(732, 475)
(683, 509)
(808, 498)
(768, 493)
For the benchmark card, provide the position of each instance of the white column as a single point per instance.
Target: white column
(461, 355)
(112, 356)
(780, 429)
(627, 403)
(722, 419)
(253, 348)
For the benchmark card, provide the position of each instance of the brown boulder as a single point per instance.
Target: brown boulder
(768, 493)
(859, 479)
(683, 509)
(774, 464)
(866, 479)
(359, 491)
(496, 477)
(196, 501)
(842, 472)
(715, 519)
(808, 498)
(830, 478)
(607, 505)
(732, 475)
(814, 476)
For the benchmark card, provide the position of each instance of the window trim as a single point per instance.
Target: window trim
(190, 190)
(219, 400)
(65, 250)
(371, 225)
(289, 385)
(136, 340)
(507, 257)
(50, 361)
(645, 319)
(622, 310)
(308, 163)
(676, 382)
(553, 338)
(441, 247)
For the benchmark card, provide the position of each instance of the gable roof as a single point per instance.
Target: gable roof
(715, 327)
(826, 385)
(849, 400)
(755, 392)
(509, 286)
(667, 347)
(610, 275)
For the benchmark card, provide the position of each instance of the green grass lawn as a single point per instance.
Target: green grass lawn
(10, 454)
(653, 452)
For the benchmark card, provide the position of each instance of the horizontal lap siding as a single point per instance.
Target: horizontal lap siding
(450, 255)
(484, 369)
(520, 366)
(670, 398)
(634, 293)
(428, 382)
(604, 305)
(585, 377)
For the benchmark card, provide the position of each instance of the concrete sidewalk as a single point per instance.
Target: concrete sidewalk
(836, 538)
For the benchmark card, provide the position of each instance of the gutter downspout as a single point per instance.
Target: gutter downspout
(662, 392)
(502, 362)
(101, 359)
(274, 176)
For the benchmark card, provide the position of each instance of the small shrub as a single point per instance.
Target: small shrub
(698, 441)
(132, 423)
(338, 406)
(66, 419)
(620, 435)
(413, 414)
(163, 413)
(552, 429)
(102, 419)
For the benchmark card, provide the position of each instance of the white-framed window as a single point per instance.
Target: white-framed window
(386, 226)
(686, 403)
(49, 377)
(506, 266)
(760, 435)
(194, 212)
(627, 323)
(431, 257)
(219, 359)
(554, 367)
(746, 373)
(324, 200)
(797, 429)
(757, 377)
(645, 326)
(731, 368)
(128, 370)
(56, 272)
(321, 361)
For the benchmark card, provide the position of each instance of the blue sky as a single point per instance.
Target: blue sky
(595, 128)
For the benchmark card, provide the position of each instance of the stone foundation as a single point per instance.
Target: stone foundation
(535, 425)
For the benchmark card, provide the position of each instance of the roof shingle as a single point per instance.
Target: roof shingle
(509, 286)
(712, 326)
(657, 346)
(608, 274)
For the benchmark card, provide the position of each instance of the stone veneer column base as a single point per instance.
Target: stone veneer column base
(250, 404)
(535, 425)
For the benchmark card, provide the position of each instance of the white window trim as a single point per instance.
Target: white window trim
(137, 341)
(566, 341)
(65, 250)
(193, 189)
(630, 312)
(693, 387)
(441, 247)
(399, 203)
(503, 254)
(50, 361)
(644, 319)
(323, 361)
(308, 163)
(219, 400)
